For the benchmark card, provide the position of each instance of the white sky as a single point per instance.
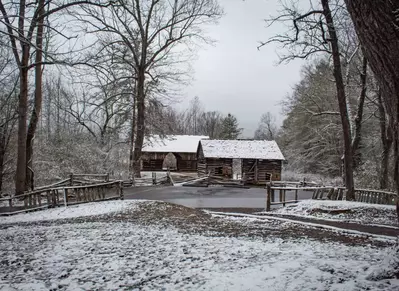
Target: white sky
(233, 76)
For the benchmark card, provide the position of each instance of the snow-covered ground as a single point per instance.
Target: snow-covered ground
(343, 211)
(123, 255)
(82, 210)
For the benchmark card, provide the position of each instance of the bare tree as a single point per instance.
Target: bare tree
(153, 31)
(8, 105)
(23, 23)
(314, 31)
(267, 128)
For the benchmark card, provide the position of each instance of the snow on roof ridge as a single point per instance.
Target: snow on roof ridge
(172, 143)
(249, 149)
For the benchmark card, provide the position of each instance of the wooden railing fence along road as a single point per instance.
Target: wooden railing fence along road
(64, 193)
(323, 192)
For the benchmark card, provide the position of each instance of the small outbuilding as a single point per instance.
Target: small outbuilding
(253, 161)
(174, 152)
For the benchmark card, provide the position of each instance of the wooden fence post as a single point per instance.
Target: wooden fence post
(296, 193)
(154, 178)
(107, 178)
(71, 179)
(281, 195)
(121, 190)
(65, 197)
(268, 197)
(284, 191)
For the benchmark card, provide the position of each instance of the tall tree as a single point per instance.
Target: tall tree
(154, 31)
(22, 22)
(317, 30)
(8, 106)
(230, 127)
(376, 23)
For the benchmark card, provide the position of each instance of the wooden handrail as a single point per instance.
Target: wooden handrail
(59, 188)
(377, 191)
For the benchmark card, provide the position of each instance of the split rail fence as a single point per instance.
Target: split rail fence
(322, 192)
(63, 193)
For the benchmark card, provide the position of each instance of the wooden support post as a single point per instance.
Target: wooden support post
(25, 201)
(154, 178)
(58, 197)
(34, 199)
(103, 192)
(78, 195)
(273, 194)
(65, 197)
(268, 197)
(107, 178)
(48, 198)
(284, 191)
(10, 201)
(121, 191)
(29, 199)
(321, 194)
(71, 179)
(281, 195)
(39, 199)
(296, 193)
(53, 198)
(315, 192)
(256, 178)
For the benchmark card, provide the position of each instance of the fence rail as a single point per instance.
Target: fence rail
(326, 192)
(63, 196)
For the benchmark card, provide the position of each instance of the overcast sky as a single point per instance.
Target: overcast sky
(233, 76)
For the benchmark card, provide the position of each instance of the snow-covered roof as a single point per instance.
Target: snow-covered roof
(172, 143)
(242, 149)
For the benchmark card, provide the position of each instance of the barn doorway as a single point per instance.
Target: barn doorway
(169, 162)
(237, 169)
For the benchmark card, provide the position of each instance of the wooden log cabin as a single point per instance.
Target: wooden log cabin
(176, 152)
(252, 161)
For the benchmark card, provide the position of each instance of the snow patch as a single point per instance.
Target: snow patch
(358, 212)
(81, 210)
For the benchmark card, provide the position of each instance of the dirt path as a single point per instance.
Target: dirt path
(352, 226)
(372, 229)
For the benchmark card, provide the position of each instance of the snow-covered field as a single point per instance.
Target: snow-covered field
(88, 209)
(343, 211)
(120, 254)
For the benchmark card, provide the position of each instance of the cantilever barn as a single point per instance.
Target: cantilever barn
(252, 161)
(173, 152)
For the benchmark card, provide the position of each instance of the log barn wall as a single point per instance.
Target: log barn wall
(258, 171)
(153, 161)
(254, 171)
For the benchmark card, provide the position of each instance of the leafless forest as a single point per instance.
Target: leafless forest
(83, 82)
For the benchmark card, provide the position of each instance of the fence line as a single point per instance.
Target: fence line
(64, 196)
(327, 193)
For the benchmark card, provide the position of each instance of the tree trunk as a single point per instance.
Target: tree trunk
(34, 119)
(348, 157)
(376, 24)
(386, 140)
(359, 116)
(2, 154)
(140, 128)
(131, 163)
(22, 112)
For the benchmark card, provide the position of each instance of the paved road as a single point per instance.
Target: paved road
(211, 197)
